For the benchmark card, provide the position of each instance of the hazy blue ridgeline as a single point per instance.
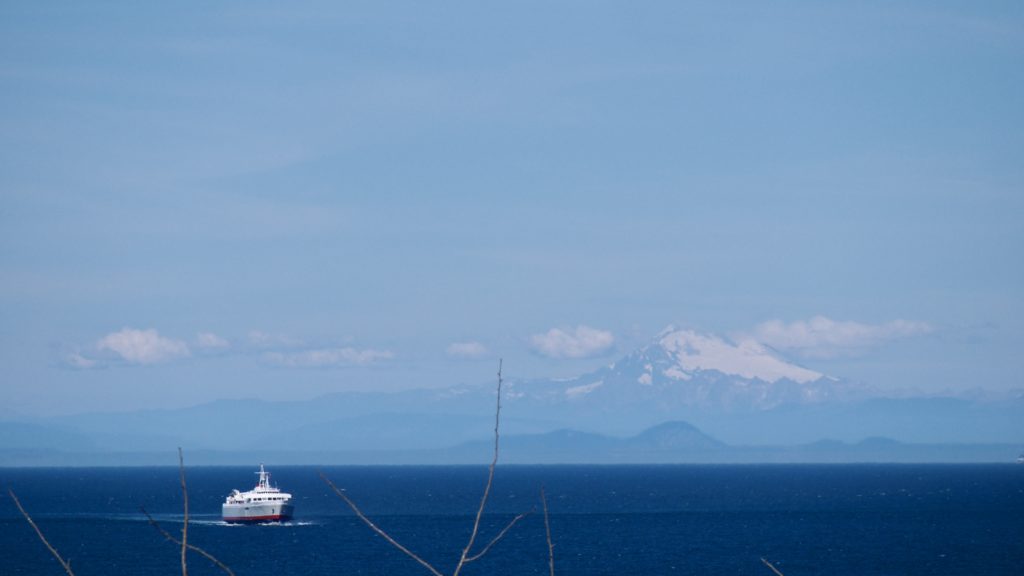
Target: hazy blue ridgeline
(851, 519)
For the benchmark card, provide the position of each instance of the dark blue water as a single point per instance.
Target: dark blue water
(855, 519)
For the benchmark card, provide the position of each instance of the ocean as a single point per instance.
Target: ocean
(636, 520)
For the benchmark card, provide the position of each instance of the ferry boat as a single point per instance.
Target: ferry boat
(264, 503)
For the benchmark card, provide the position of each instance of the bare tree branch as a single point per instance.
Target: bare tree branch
(500, 535)
(184, 527)
(774, 569)
(174, 540)
(547, 529)
(465, 557)
(490, 481)
(65, 563)
(341, 494)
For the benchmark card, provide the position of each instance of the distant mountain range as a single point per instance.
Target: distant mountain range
(667, 443)
(740, 394)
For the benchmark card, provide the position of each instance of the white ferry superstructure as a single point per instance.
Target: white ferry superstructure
(264, 503)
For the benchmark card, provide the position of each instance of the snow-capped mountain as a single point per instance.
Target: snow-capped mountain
(687, 369)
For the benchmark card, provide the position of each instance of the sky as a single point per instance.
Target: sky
(246, 199)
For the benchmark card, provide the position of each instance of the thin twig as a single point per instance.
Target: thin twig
(490, 481)
(465, 557)
(65, 563)
(774, 569)
(500, 535)
(547, 529)
(341, 494)
(184, 527)
(192, 547)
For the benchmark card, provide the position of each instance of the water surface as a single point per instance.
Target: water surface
(839, 519)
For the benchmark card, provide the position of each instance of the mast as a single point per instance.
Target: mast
(264, 482)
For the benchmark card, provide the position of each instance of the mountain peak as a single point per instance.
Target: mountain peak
(691, 352)
(683, 370)
(675, 434)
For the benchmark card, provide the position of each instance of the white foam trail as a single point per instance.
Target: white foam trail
(242, 524)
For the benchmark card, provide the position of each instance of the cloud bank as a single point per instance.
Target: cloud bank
(327, 358)
(583, 342)
(822, 337)
(142, 346)
(466, 350)
(132, 346)
(261, 339)
(210, 341)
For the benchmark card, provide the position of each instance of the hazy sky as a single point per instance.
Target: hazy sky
(215, 200)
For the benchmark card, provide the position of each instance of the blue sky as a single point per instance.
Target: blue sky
(255, 200)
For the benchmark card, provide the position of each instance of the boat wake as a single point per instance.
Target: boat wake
(286, 524)
(202, 520)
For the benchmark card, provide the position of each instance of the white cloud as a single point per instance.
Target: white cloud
(142, 346)
(267, 340)
(211, 341)
(327, 357)
(822, 337)
(467, 350)
(79, 362)
(583, 342)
